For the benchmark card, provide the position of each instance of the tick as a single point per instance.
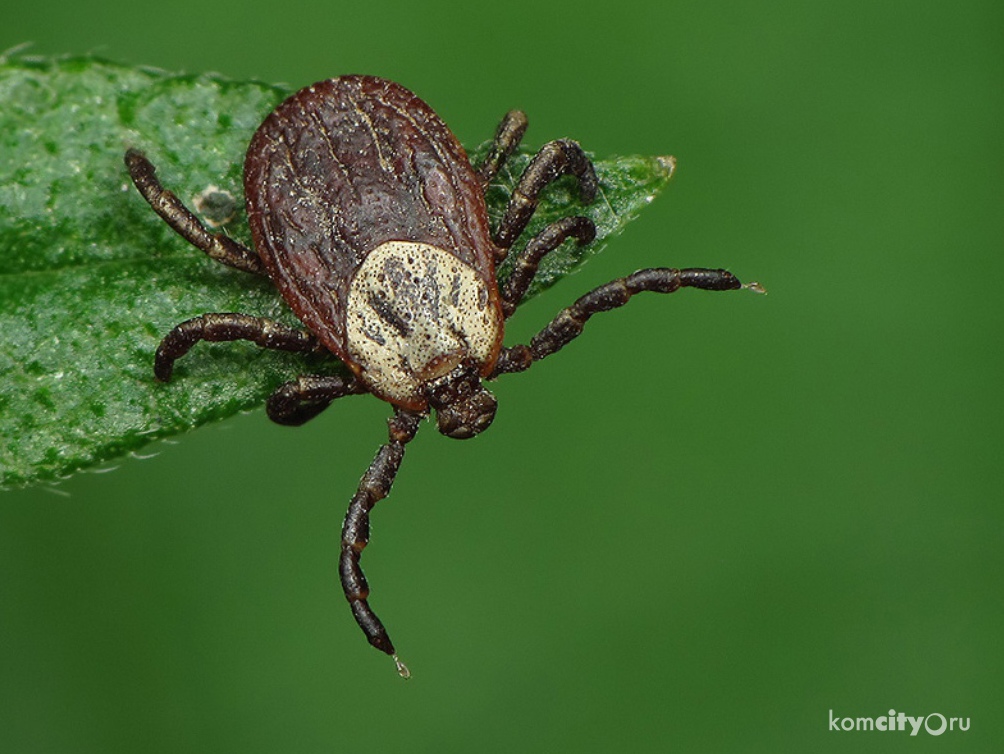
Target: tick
(370, 220)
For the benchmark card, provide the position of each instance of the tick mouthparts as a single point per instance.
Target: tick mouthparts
(468, 416)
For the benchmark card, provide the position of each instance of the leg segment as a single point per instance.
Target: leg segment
(218, 246)
(226, 327)
(569, 323)
(373, 487)
(507, 138)
(581, 229)
(555, 159)
(296, 402)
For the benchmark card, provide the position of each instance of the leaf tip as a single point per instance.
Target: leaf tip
(668, 163)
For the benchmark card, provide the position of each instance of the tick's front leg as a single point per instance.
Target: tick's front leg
(298, 401)
(569, 323)
(373, 487)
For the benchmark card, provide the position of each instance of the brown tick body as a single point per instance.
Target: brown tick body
(367, 215)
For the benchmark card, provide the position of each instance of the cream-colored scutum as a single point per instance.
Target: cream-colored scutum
(414, 312)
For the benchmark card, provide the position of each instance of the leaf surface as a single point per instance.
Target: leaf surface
(91, 279)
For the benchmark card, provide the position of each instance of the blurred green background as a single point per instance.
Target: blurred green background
(702, 527)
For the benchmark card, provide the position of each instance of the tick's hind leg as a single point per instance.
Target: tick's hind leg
(373, 487)
(569, 323)
(226, 327)
(218, 246)
(298, 401)
(554, 160)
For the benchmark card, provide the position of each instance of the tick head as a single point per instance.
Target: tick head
(463, 407)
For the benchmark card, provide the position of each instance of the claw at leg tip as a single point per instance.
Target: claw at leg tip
(402, 669)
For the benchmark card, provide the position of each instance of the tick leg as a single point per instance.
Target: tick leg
(225, 327)
(524, 268)
(373, 487)
(554, 160)
(507, 137)
(569, 323)
(218, 246)
(300, 400)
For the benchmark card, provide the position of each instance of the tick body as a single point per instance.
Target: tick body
(369, 218)
(372, 223)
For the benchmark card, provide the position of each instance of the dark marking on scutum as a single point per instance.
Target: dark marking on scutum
(375, 337)
(430, 293)
(414, 292)
(385, 311)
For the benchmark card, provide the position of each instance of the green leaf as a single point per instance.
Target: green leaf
(91, 279)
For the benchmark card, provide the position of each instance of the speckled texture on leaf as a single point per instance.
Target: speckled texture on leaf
(91, 278)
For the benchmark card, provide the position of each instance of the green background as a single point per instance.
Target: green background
(703, 526)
